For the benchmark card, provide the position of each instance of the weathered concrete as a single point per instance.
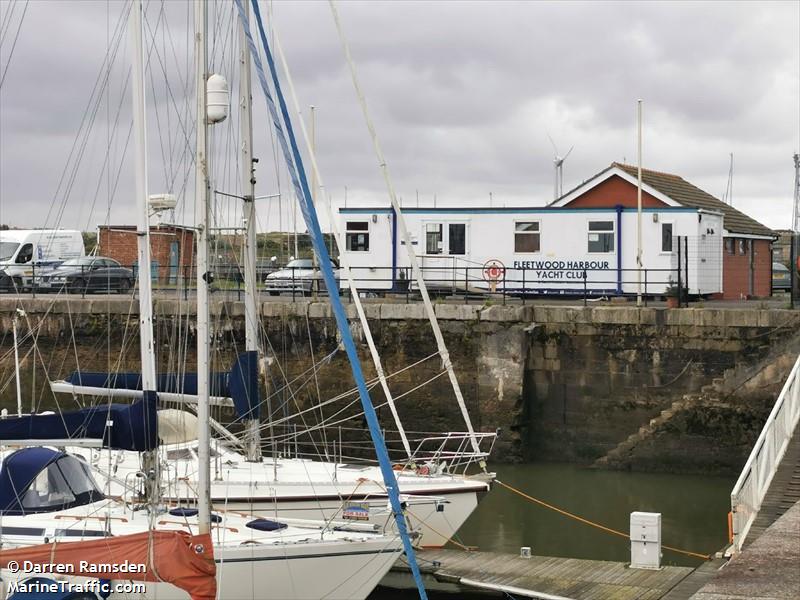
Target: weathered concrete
(769, 569)
(563, 382)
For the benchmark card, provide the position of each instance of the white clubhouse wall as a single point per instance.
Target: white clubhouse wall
(559, 264)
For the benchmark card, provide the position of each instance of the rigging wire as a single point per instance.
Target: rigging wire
(6, 21)
(14, 44)
(86, 124)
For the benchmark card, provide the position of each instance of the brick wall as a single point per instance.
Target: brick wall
(611, 192)
(120, 244)
(737, 267)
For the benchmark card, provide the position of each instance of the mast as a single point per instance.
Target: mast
(638, 205)
(17, 315)
(146, 343)
(143, 230)
(252, 425)
(201, 224)
(300, 183)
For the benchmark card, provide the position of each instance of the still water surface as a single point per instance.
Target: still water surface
(693, 511)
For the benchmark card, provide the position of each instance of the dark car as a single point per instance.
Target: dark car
(87, 274)
(781, 277)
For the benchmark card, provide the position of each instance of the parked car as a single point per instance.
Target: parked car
(87, 274)
(235, 272)
(300, 276)
(27, 253)
(781, 277)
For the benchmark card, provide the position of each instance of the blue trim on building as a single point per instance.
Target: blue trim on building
(514, 210)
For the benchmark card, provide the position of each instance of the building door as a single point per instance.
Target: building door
(174, 255)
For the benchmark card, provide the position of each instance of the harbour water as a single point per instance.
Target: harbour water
(693, 511)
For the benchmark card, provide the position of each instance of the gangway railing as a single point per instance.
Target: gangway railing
(768, 451)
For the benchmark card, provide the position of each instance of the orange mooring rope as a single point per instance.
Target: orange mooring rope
(592, 523)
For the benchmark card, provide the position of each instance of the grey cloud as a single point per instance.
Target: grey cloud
(463, 94)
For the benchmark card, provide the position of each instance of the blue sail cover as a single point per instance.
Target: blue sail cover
(241, 384)
(120, 426)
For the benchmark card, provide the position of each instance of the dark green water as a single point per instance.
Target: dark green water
(693, 512)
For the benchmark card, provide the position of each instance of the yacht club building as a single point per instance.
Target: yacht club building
(584, 242)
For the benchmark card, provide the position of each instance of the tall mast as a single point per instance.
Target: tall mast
(638, 203)
(201, 224)
(252, 426)
(150, 462)
(147, 348)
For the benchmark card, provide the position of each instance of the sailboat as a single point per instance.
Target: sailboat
(50, 503)
(439, 498)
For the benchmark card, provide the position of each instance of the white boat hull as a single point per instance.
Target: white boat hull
(437, 505)
(436, 521)
(300, 572)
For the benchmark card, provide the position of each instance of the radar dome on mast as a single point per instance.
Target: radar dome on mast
(217, 98)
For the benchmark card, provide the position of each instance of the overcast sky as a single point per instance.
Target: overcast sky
(463, 95)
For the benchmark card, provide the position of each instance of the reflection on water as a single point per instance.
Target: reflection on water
(693, 512)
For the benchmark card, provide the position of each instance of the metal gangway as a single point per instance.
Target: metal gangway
(775, 453)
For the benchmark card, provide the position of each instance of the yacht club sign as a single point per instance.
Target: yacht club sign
(561, 269)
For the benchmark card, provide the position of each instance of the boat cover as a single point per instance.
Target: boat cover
(176, 557)
(65, 484)
(240, 384)
(120, 426)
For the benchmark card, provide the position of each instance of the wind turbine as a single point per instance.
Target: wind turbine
(558, 161)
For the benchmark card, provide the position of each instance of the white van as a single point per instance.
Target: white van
(25, 253)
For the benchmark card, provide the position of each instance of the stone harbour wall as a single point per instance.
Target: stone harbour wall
(560, 382)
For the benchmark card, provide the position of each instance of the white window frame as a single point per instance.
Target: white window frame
(539, 233)
(613, 233)
(348, 231)
(441, 224)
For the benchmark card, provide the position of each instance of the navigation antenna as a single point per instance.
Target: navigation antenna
(558, 162)
(727, 197)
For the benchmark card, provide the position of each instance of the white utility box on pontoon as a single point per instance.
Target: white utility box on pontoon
(645, 540)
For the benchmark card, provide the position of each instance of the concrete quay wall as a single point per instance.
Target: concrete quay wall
(562, 382)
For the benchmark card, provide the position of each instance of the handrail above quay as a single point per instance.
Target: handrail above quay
(768, 451)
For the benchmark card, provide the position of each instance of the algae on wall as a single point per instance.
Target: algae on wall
(562, 383)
